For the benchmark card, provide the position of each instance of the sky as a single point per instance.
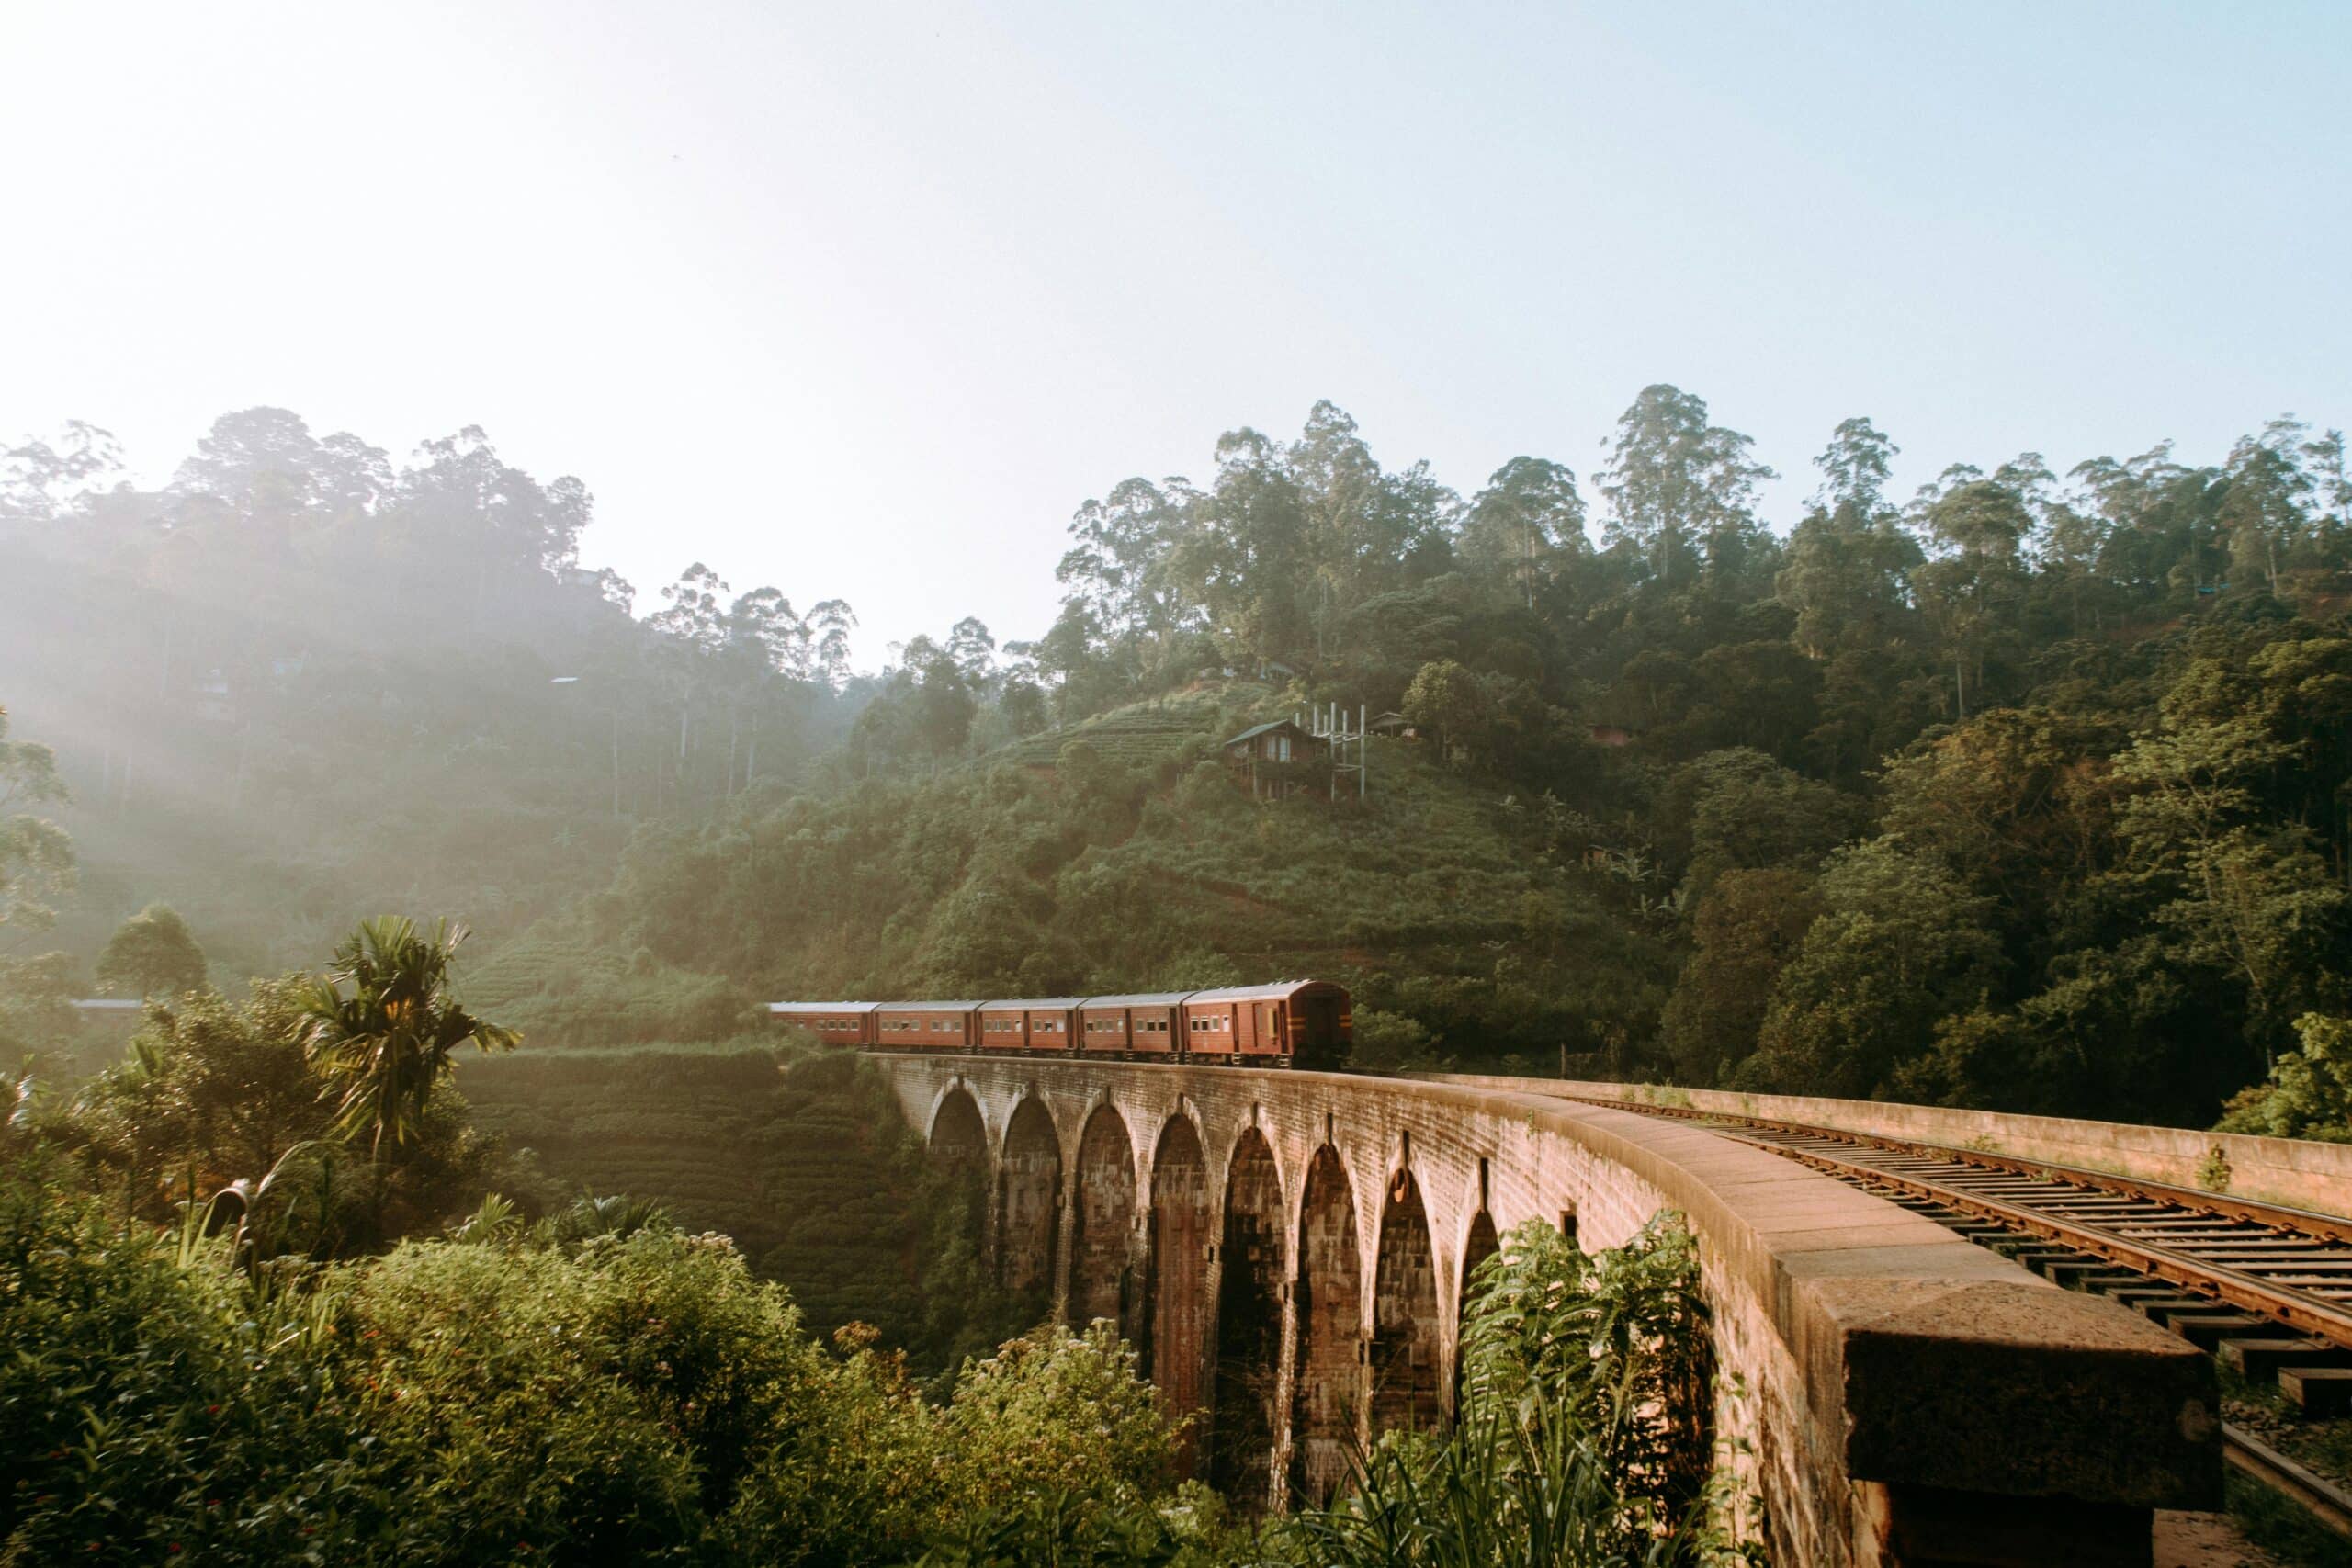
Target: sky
(864, 301)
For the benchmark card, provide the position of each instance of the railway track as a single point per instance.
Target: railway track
(2268, 1289)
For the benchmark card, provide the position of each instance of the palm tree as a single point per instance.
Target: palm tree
(385, 1047)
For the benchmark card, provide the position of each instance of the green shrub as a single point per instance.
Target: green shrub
(1584, 1435)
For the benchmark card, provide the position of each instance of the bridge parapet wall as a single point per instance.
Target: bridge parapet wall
(1907, 1397)
(2291, 1171)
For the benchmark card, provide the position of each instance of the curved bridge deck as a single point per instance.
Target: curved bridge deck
(1288, 1250)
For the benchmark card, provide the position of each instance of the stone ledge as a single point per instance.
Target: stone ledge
(1919, 1366)
(1929, 1360)
(2295, 1172)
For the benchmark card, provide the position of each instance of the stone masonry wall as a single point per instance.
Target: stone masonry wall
(1885, 1366)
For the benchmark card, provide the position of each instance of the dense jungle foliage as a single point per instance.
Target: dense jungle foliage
(2033, 790)
(605, 1386)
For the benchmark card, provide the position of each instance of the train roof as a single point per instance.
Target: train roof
(1272, 990)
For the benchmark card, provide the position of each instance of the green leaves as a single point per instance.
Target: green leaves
(2309, 1094)
(151, 954)
(36, 855)
(1584, 1438)
(385, 1046)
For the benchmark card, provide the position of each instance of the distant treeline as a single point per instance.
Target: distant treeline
(2033, 789)
(301, 683)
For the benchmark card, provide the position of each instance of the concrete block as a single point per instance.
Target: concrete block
(2019, 1390)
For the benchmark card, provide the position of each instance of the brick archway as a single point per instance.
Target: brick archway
(1327, 1409)
(957, 1133)
(1404, 1370)
(1029, 1189)
(1176, 1298)
(1102, 1223)
(1249, 1326)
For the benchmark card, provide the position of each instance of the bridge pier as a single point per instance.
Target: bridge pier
(1296, 1245)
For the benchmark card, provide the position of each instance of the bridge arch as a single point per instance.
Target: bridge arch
(1175, 1336)
(1245, 1387)
(1903, 1384)
(1029, 1186)
(1102, 1223)
(1479, 1242)
(1405, 1325)
(958, 1133)
(1327, 1406)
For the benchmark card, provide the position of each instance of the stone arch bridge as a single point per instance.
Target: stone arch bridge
(1287, 1250)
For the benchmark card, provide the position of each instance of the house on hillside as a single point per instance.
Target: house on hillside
(1396, 725)
(1279, 759)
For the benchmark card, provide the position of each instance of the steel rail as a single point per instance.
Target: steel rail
(2325, 1502)
(2309, 1313)
(2306, 1221)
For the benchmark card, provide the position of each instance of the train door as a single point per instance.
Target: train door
(1317, 1024)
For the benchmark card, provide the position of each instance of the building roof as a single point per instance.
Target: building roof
(1255, 730)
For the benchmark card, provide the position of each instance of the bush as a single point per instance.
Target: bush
(2309, 1094)
(1584, 1435)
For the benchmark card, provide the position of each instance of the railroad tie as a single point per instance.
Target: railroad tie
(2318, 1391)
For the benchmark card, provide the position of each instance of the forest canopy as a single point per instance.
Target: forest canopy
(2031, 789)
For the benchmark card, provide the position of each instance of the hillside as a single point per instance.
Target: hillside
(1139, 861)
(803, 1160)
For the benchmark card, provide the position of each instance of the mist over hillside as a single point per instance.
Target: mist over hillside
(2029, 789)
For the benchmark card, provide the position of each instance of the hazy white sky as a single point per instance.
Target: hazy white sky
(863, 300)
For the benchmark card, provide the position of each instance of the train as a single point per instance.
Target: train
(1289, 1023)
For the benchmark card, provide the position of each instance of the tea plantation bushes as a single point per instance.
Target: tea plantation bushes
(804, 1161)
(676, 1126)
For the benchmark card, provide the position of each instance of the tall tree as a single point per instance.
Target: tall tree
(2263, 508)
(384, 1046)
(1680, 490)
(151, 954)
(39, 480)
(1973, 587)
(36, 855)
(1528, 514)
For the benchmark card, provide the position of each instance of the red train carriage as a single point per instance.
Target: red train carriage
(1288, 1023)
(1148, 1024)
(835, 1023)
(1032, 1025)
(926, 1026)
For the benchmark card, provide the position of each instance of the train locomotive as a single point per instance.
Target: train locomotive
(1302, 1023)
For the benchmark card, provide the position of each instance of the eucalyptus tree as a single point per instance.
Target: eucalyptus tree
(1680, 490)
(1528, 514)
